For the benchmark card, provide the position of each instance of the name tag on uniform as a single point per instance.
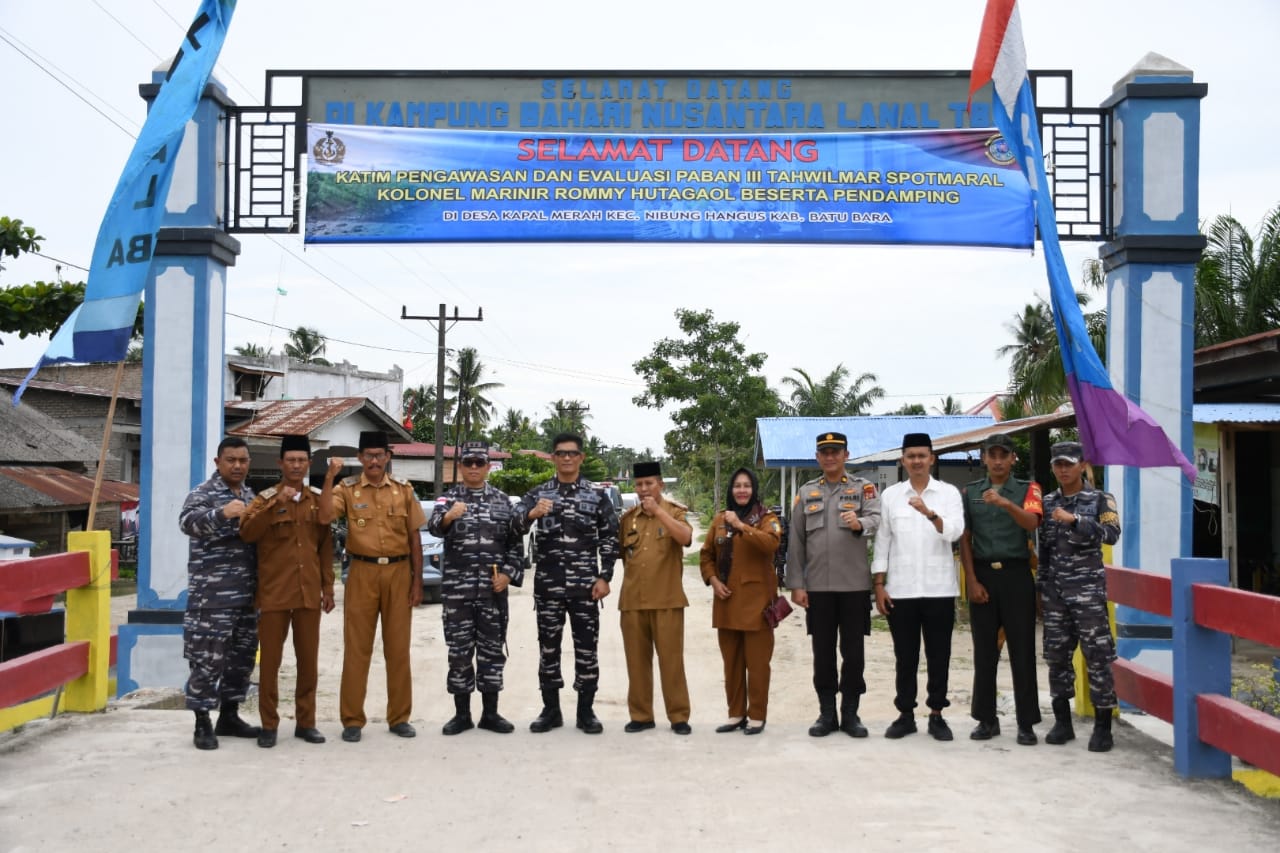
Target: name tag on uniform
(360, 506)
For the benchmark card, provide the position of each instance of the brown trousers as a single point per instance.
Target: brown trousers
(747, 656)
(273, 630)
(374, 591)
(643, 631)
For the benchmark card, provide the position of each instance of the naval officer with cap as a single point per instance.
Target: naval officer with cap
(829, 575)
(385, 580)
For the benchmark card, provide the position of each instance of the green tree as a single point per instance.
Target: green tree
(830, 397)
(1037, 381)
(515, 431)
(465, 383)
(910, 409)
(420, 408)
(566, 416)
(306, 345)
(1238, 281)
(717, 392)
(521, 473)
(949, 406)
(253, 350)
(16, 238)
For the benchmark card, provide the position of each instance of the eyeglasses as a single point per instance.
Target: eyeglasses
(474, 463)
(375, 457)
(566, 454)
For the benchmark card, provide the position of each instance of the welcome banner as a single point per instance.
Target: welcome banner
(944, 187)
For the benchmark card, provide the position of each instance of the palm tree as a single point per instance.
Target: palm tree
(252, 351)
(566, 416)
(950, 406)
(1238, 281)
(464, 382)
(306, 345)
(515, 431)
(829, 397)
(420, 411)
(1037, 381)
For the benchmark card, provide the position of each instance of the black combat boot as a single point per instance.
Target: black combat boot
(230, 724)
(1100, 740)
(826, 722)
(204, 737)
(550, 718)
(490, 719)
(586, 717)
(850, 724)
(461, 715)
(1062, 730)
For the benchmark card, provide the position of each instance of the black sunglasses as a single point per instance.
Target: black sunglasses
(474, 463)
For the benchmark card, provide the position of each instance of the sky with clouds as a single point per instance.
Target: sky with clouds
(568, 321)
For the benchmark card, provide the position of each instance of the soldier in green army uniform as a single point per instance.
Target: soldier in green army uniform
(1001, 512)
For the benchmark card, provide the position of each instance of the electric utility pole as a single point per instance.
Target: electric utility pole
(442, 324)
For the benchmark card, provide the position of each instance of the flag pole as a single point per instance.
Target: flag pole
(102, 452)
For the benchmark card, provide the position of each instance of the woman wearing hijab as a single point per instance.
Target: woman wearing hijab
(737, 563)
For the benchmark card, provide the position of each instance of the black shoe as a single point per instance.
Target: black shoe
(587, 720)
(1061, 733)
(985, 731)
(939, 729)
(550, 718)
(458, 724)
(490, 719)
(403, 730)
(901, 727)
(731, 727)
(230, 724)
(1027, 736)
(351, 734)
(753, 730)
(852, 726)
(827, 721)
(310, 735)
(267, 738)
(638, 726)
(1101, 740)
(204, 737)
(682, 728)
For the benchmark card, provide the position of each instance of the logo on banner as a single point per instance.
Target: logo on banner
(998, 151)
(329, 149)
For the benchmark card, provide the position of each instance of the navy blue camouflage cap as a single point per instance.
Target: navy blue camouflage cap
(475, 450)
(1066, 451)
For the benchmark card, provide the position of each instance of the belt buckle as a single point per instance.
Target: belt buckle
(382, 561)
(997, 565)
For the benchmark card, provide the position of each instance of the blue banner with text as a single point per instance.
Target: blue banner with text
(937, 187)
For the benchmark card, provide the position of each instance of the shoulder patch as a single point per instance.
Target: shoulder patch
(350, 481)
(1034, 501)
(401, 480)
(869, 492)
(268, 493)
(316, 491)
(678, 505)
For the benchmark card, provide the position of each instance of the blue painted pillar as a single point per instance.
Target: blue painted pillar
(1150, 267)
(1201, 664)
(182, 387)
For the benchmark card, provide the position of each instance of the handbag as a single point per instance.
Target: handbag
(776, 611)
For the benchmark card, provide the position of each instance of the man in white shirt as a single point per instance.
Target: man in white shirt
(914, 577)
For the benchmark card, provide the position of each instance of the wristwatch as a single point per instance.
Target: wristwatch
(933, 516)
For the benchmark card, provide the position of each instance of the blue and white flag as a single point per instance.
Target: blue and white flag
(100, 328)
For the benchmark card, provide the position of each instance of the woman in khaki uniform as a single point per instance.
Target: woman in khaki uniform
(737, 563)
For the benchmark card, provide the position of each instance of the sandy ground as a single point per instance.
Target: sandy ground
(129, 779)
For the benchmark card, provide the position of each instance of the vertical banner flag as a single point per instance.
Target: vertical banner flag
(1113, 429)
(100, 327)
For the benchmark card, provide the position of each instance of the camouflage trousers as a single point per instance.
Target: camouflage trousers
(475, 628)
(584, 622)
(1078, 617)
(220, 645)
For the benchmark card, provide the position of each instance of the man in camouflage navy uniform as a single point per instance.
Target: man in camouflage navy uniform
(483, 555)
(829, 575)
(576, 540)
(1078, 521)
(220, 626)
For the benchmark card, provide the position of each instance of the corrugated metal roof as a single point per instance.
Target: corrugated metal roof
(67, 388)
(294, 417)
(960, 442)
(66, 488)
(1235, 413)
(787, 442)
